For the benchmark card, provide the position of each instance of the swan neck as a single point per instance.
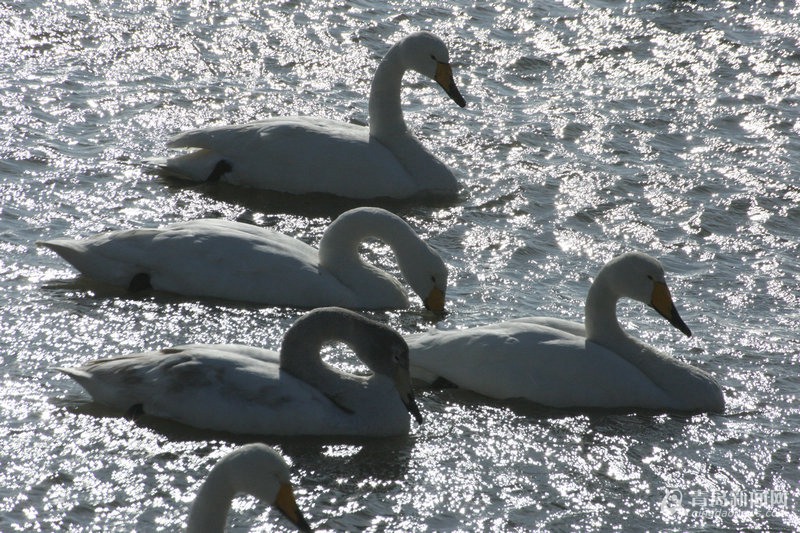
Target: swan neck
(210, 509)
(600, 319)
(686, 387)
(303, 342)
(339, 246)
(385, 114)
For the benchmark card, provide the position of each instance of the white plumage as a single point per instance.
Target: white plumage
(316, 155)
(254, 469)
(565, 364)
(249, 390)
(236, 261)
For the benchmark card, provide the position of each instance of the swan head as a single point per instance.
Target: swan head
(259, 470)
(427, 275)
(641, 277)
(385, 352)
(402, 379)
(381, 348)
(427, 54)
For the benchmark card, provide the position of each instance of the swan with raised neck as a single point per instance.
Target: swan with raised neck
(317, 155)
(640, 277)
(426, 54)
(565, 364)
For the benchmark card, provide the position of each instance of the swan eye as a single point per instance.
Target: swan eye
(433, 279)
(434, 57)
(650, 277)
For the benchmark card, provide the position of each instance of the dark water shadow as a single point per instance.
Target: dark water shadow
(82, 290)
(526, 408)
(310, 205)
(363, 457)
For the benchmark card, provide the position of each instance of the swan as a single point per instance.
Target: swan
(301, 155)
(237, 261)
(564, 364)
(254, 469)
(249, 390)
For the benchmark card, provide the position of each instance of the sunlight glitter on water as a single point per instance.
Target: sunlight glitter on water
(590, 129)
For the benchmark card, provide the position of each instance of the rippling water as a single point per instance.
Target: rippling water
(592, 128)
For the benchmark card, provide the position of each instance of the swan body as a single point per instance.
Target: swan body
(301, 155)
(237, 261)
(254, 469)
(564, 364)
(248, 390)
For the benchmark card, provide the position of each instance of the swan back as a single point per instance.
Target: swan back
(254, 469)
(381, 348)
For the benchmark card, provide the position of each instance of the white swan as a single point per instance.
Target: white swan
(236, 261)
(254, 469)
(565, 364)
(248, 390)
(316, 155)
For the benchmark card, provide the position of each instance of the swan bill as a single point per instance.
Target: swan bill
(435, 301)
(402, 380)
(661, 301)
(444, 77)
(287, 505)
(411, 404)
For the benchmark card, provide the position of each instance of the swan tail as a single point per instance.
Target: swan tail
(102, 391)
(86, 380)
(72, 251)
(88, 261)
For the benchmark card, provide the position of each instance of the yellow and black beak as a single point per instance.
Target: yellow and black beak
(287, 505)
(661, 301)
(444, 77)
(435, 301)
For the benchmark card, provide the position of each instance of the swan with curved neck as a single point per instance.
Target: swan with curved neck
(249, 390)
(237, 261)
(254, 469)
(565, 364)
(315, 155)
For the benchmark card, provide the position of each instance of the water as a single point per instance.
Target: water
(592, 128)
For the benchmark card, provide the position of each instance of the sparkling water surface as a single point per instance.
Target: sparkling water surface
(592, 128)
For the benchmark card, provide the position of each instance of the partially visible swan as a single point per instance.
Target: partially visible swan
(317, 155)
(254, 469)
(236, 261)
(248, 390)
(564, 364)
